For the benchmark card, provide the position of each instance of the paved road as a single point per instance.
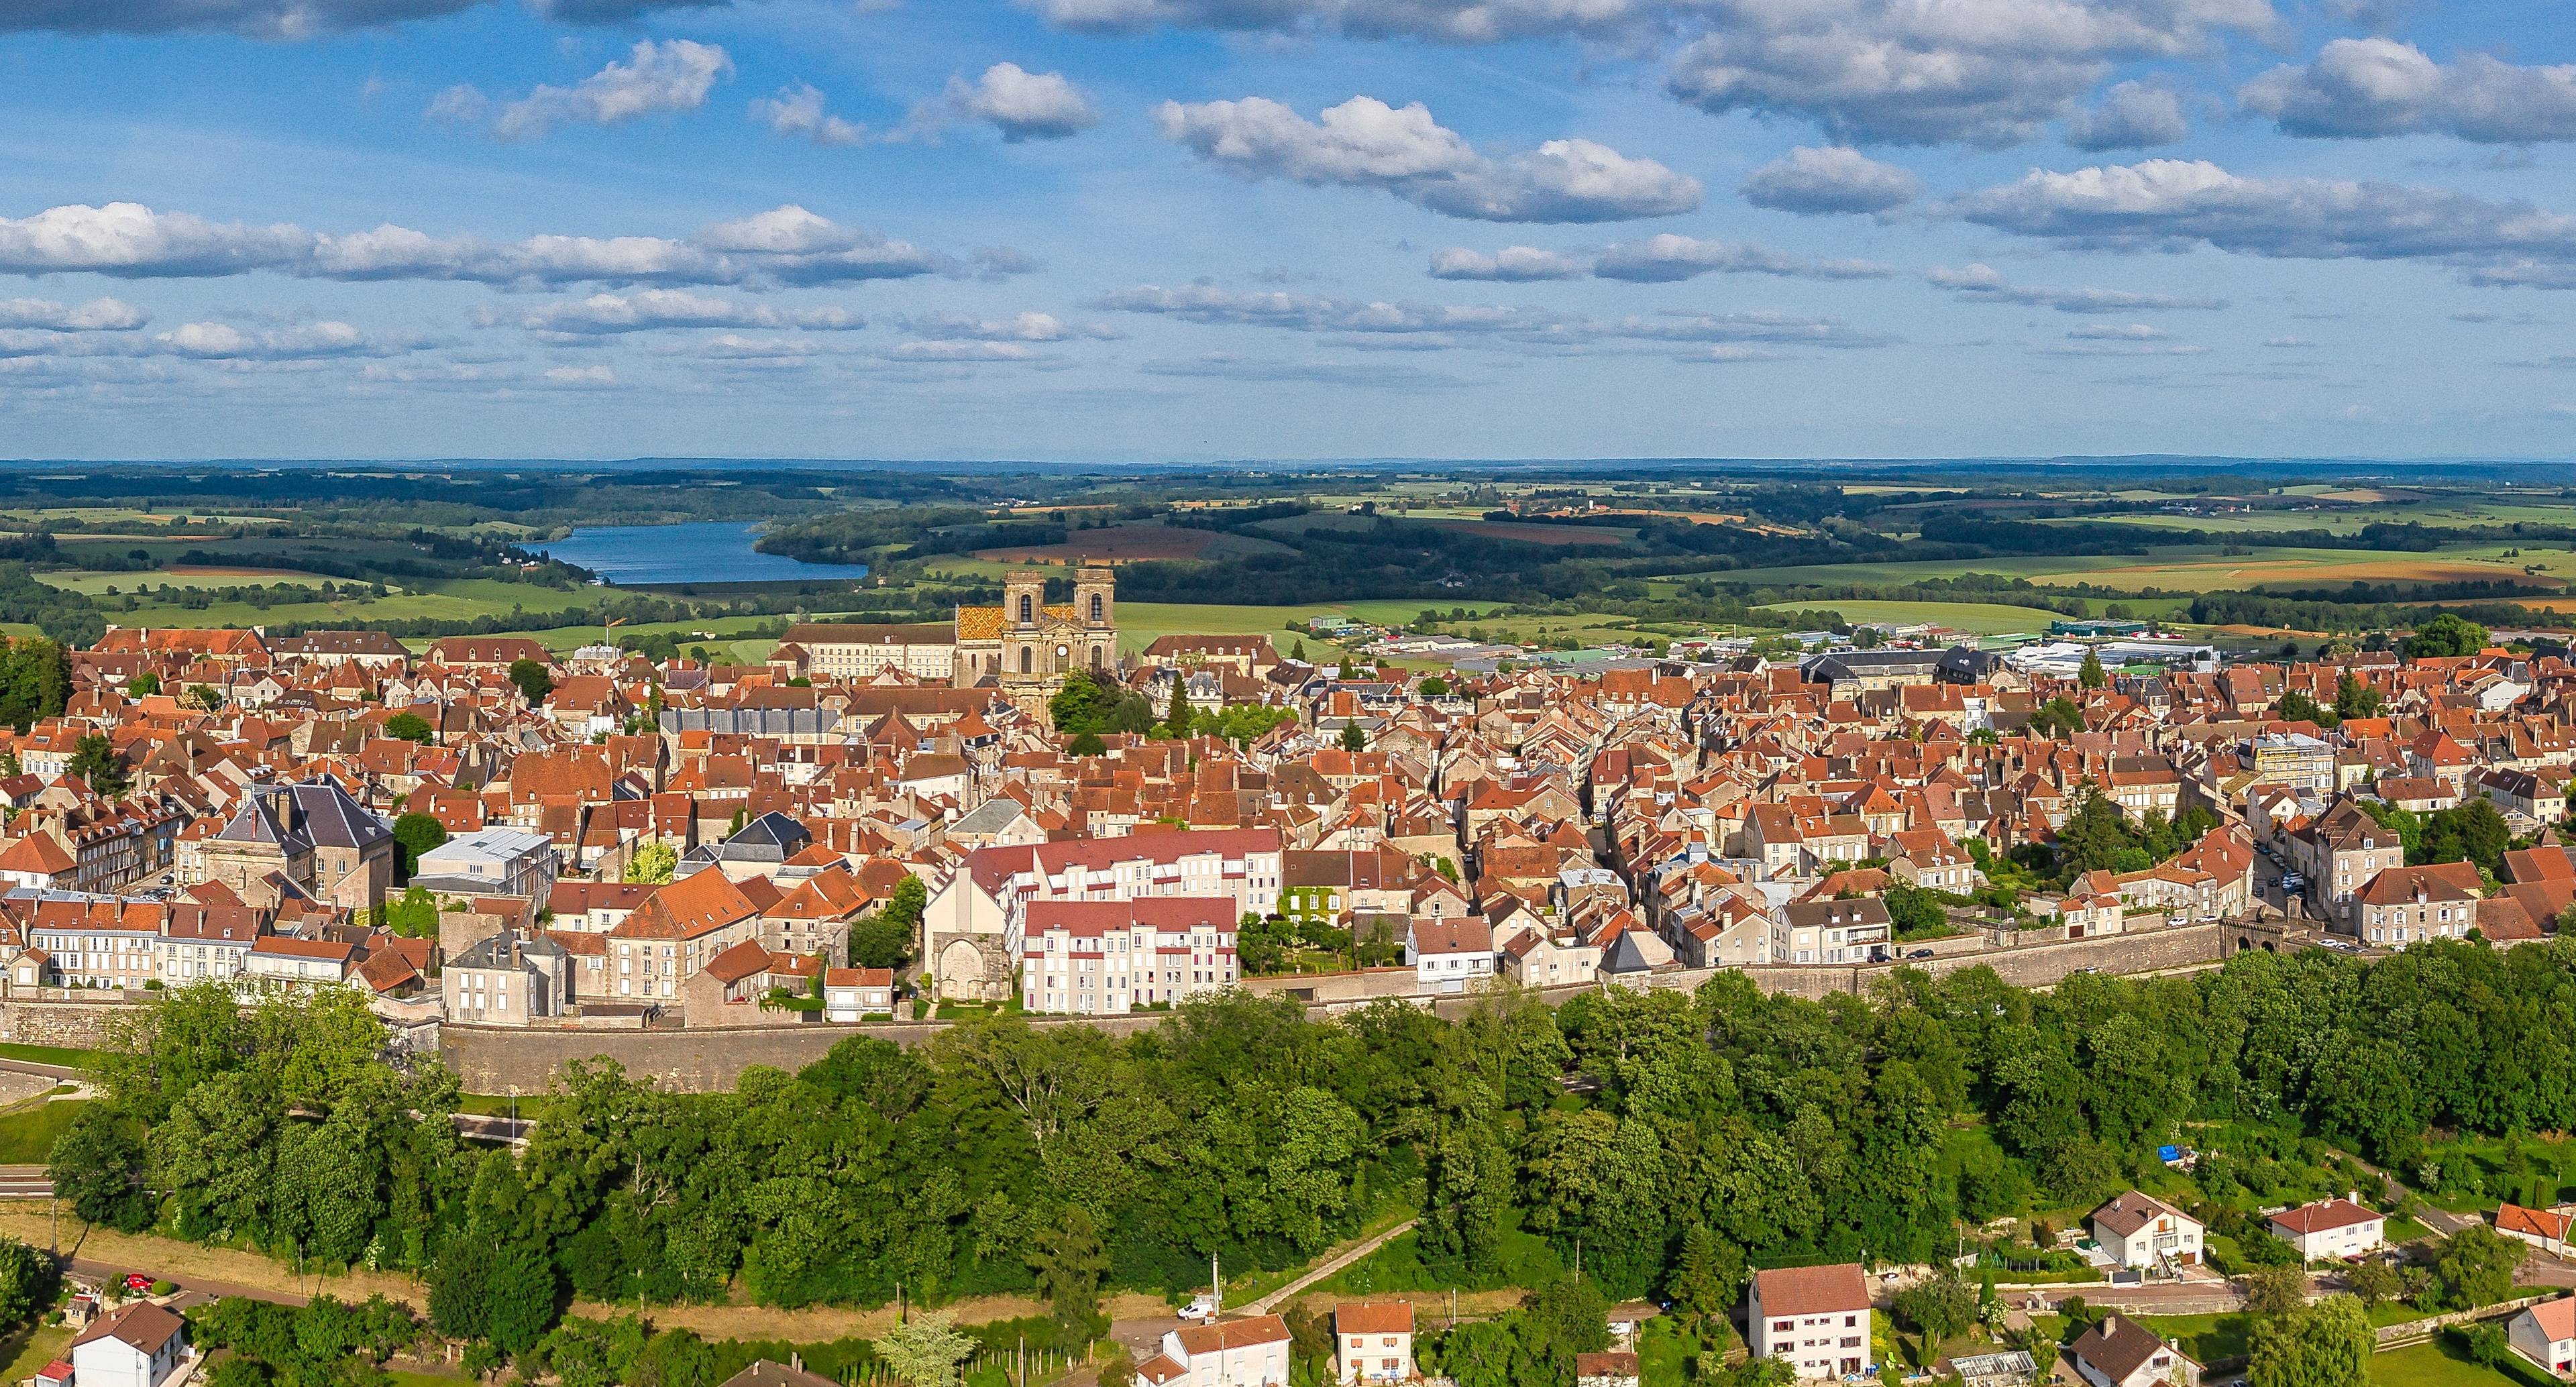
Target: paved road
(25, 1182)
(51, 1071)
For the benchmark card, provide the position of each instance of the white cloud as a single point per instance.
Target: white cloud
(1981, 283)
(949, 349)
(668, 75)
(2377, 86)
(2173, 203)
(645, 310)
(267, 19)
(97, 315)
(1658, 259)
(1444, 21)
(2132, 115)
(581, 377)
(2121, 332)
(1664, 258)
(786, 245)
(1478, 325)
(1833, 179)
(1365, 143)
(798, 111)
(1019, 327)
(1022, 105)
(1511, 264)
(305, 342)
(1914, 72)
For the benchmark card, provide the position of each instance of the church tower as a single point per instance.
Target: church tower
(1095, 612)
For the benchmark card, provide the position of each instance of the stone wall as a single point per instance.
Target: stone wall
(77, 1025)
(501, 1060)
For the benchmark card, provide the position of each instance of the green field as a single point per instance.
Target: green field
(2441, 1364)
(2187, 568)
(450, 599)
(1140, 623)
(97, 583)
(27, 1135)
(48, 1054)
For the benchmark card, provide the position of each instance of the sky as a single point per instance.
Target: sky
(1182, 230)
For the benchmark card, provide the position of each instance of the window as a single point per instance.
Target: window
(1028, 609)
(1099, 607)
(1028, 660)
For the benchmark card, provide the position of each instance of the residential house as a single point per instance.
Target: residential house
(2330, 1228)
(2546, 1334)
(1232, 1353)
(2140, 1230)
(1814, 1318)
(138, 1344)
(1373, 1341)
(851, 995)
(2120, 1352)
(1449, 955)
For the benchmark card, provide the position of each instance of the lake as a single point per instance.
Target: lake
(701, 551)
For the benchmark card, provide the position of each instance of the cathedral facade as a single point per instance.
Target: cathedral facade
(1025, 646)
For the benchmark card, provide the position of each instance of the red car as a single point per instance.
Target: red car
(137, 1281)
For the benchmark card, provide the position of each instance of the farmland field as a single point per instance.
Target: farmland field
(1133, 543)
(448, 598)
(2188, 569)
(96, 583)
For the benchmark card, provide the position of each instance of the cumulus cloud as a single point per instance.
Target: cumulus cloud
(1832, 179)
(97, 315)
(1019, 327)
(1483, 325)
(1365, 143)
(1659, 259)
(1982, 283)
(669, 75)
(2377, 86)
(1907, 72)
(1511, 264)
(1442, 21)
(786, 245)
(647, 310)
(1022, 105)
(1664, 258)
(2132, 115)
(2121, 332)
(2174, 203)
(798, 111)
(581, 377)
(304, 342)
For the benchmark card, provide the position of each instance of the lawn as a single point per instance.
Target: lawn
(2208, 1338)
(27, 1135)
(49, 1054)
(2442, 1364)
(32, 1347)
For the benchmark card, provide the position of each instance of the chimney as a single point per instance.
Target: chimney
(796, 1361)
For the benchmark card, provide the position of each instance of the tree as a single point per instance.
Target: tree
(925, 1350)
(877, 942)
(2470, 831)
(2327, 1344)
(652, 864)
(207, 697)
(2353, 698)
(144, 684)
(2445, 635)
(1177, 717)
(1353, 739)
(2276, 1290)
(410, 727)
(2375, 1281)
(26, 1281)
(2296, 706)
(533, 679)
(1938, 1307)
(1071, 1264)
(1087, 744)
(2476, 1266)
(1703, 1283)
(2090, 674)
(1915, 910)
(522, 1291)
(94, 761)
(97, 1168)
(417, 833)
(1434, 687)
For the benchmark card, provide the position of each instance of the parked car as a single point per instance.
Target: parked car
(1920, 953)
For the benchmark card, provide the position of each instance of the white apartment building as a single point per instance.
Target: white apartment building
(1085, 957)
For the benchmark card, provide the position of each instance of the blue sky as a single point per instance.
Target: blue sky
(1186, 229)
